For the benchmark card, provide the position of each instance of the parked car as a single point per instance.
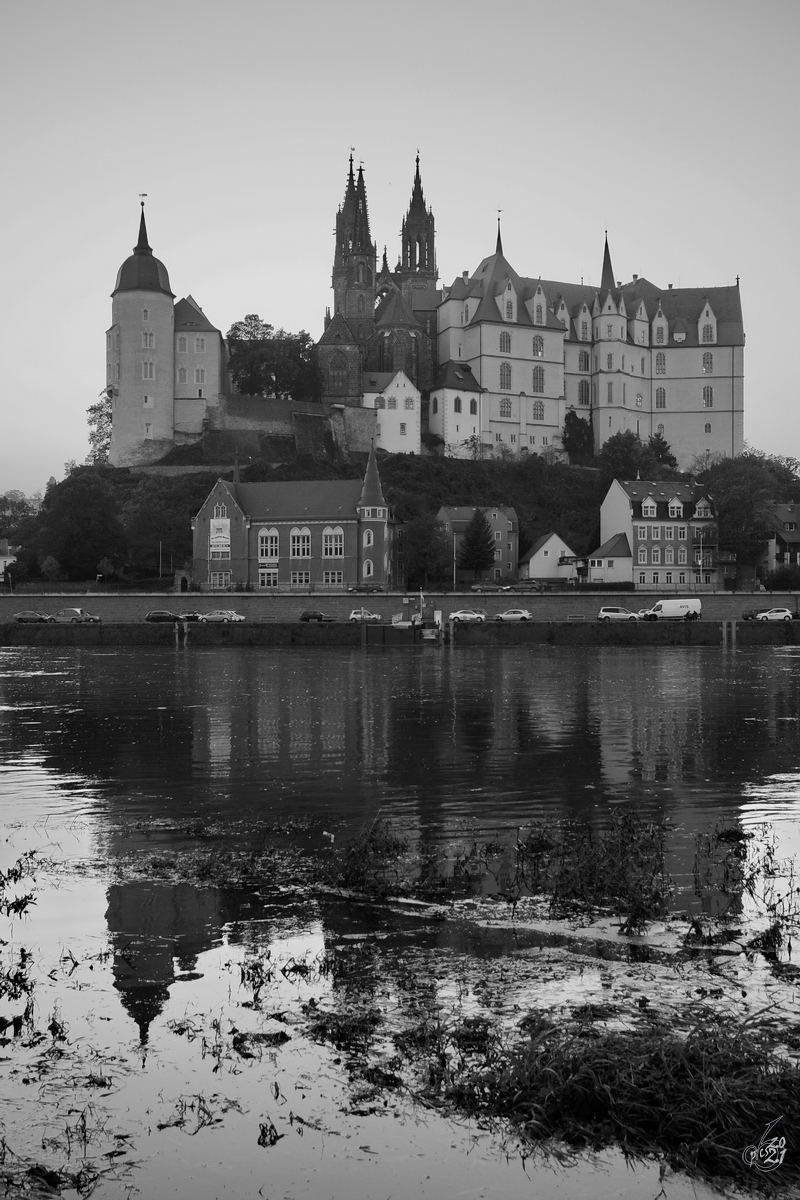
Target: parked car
(777, 614)
(221, 614)
(467, 616)
(614, 613)
(487, 587)
(752, 614)
(160, 614)
(29, 617)
(312, 614)
(365, 587)
(514, 614)
(75, 616)
(190, 616)
(363, 614)
(679, 609)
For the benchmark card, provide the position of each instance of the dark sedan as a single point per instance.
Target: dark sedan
(29, 617)
(161, 614)
(312, 614)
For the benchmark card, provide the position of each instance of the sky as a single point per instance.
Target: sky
(671, 125)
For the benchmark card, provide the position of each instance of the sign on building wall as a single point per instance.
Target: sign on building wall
(220, 533)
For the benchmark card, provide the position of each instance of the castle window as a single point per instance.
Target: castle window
(584, 331)
(538, 347)
(498, 437)
(148, 341)
(435, 408)
(181, 374)
(402, 429)
(145, 314)
(182, 344)
(661, 363)
(391, 402)
(708, 363)
(660, 335)
(708, 333)
(116, 372)
(708, 427)
(337, 373)
(367, 568)
(360, 305)
(583, 392)
(267, 544)
(708, 397)
(539, 314)
(457, 404)
(505, 408)
(505, 343)
(220, 512)
(148, 370)
(200, 375)
(609, 362)
(610, 330)
(410, 402)
(538, 379)
(544, 441)
(509, 310)
(638, 399)
(505, 376)
(147, 429)
(660, 430)
(537, 410)
(108, 372)
(473, 408)
(643, 365)
(610, 393)
(583, 360)
(380, 402)
(200, 345)
(300, 543)
(466, 312)
(368, 538)
(333, 542)
(661, 398)
(116, 341)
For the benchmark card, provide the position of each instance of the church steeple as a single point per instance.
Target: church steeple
(607, 281)
(142, 246)
(418, 233)
(354, 259)
(499, 247)
(142, 271)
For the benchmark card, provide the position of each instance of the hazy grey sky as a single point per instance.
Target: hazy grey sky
(673, 125)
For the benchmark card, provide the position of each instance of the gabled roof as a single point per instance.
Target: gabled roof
(540, 543)
(458, 376)
(394, 312)
(376, 381)
(460, 515)
(616, 547)
(337, 333)
(662, 492)
(189, 315)
(297, 500)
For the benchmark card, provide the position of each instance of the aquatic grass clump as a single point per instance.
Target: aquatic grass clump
(697, 1101)
(373, 862)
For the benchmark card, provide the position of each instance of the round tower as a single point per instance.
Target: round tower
(140, 352)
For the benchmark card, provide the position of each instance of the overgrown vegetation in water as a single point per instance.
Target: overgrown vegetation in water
(696, 1101)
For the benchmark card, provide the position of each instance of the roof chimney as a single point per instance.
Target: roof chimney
(635, 278)
(465, 275)
(670, 286)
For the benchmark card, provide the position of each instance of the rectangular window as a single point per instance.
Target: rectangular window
(498, 535)
(333, 578)
(148, 401)
(148, 370)
(641, 577)
(498, 554)
(267, 578)
(199, 345)
(544, 441)
(219, 552)
(668, 577)
(402, 429)
(510, 547)
(610, 392)
(333, 545)
(669, 533)
(513, 437)
(681, 577)
(681, 533)
(655, 577)
(498, 573)
(410, 402)
(642, 554)
(391, 402)
(609, 362)
(200, 375)
(641, 531)
(300, 579)
(116, 372)
(681, 554)
(532, 437)
(300, 545)
(267, 547)
(655, 533)
(610, 563)
(219, 580)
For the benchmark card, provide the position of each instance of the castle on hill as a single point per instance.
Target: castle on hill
(489, 365)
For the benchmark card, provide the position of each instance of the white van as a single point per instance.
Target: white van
(675, 610)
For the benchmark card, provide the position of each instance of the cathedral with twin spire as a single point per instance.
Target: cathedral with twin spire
(489, 365)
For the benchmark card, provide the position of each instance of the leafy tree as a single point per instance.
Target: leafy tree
(476, 552)
(79, 523)
(159, 510)
(624, 456)
(51, 568)
(577, 437)
(18, 516)
(268, 362)
(429, 555)
(98, 416)
(741, 489)
(663, 452)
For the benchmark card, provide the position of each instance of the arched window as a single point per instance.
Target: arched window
(708, 363)
(220, 512)
(367, 568)
(708, 397)
(660, 431)
(661, 398)
(466, 312)
(360, 306)
(538, 379)
(660, 335)
(369, 538)
(473, 408)
(708, 333)
(337, 372)
(539, 314)
(583, 391)
(145, 314)
(200, 345)
(509, 310)
(268, 544)
(505, 376)
(181, 374)
(708, 427)
(638, 399)
(655, 555)
(435, 404)
(200, 375)
(669, 555)
(505, 343)
(333, 542)
(538, 347)
(505, 408)
(661, 364)
(583, 360)
(584, 331)
(300, 543)
(457, 404)
(537, 410)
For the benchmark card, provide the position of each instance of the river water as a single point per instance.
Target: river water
(105, 751)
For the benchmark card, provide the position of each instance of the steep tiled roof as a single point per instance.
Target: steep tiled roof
(376, 381)
(142, 271)
(337, 333)
(458, 376)
(303, 499)
(394, 311)
(662, 491)
(459, 516)
(372, 492)
(538, 544)
(189, 315)
(616, 547)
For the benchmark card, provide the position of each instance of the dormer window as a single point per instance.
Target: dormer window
(708, 333)
(584, 331)
(660, 335)
(675, 509)
(702, 509)
(648, 507)
(509, 310)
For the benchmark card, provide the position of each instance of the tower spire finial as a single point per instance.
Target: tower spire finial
(607, 283)
(499, 247)
(142, 246)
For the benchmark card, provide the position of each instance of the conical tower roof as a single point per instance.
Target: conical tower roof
(372, 492)
(607, 281)
(142, 271)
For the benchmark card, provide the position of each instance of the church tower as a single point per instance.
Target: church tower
(418, 256)
(355, 259)
(140, 353)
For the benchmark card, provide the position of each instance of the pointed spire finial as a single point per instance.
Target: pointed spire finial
(142, 246)
(607, 283)
(499, 247)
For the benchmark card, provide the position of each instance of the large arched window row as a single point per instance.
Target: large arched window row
(505, 376)
(333, 542)
(538, 380)
(300, 542)
(268, 545)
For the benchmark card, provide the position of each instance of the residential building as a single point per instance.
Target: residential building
(505, 532)
(783, 546)
(304, 536)
(671, 532)
(611, 562)
(8, 555)
(549, 559)
(398, 406)
(455, 411)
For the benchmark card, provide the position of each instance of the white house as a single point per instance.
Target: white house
(543, 560)
(398, 401)
(612, 562)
